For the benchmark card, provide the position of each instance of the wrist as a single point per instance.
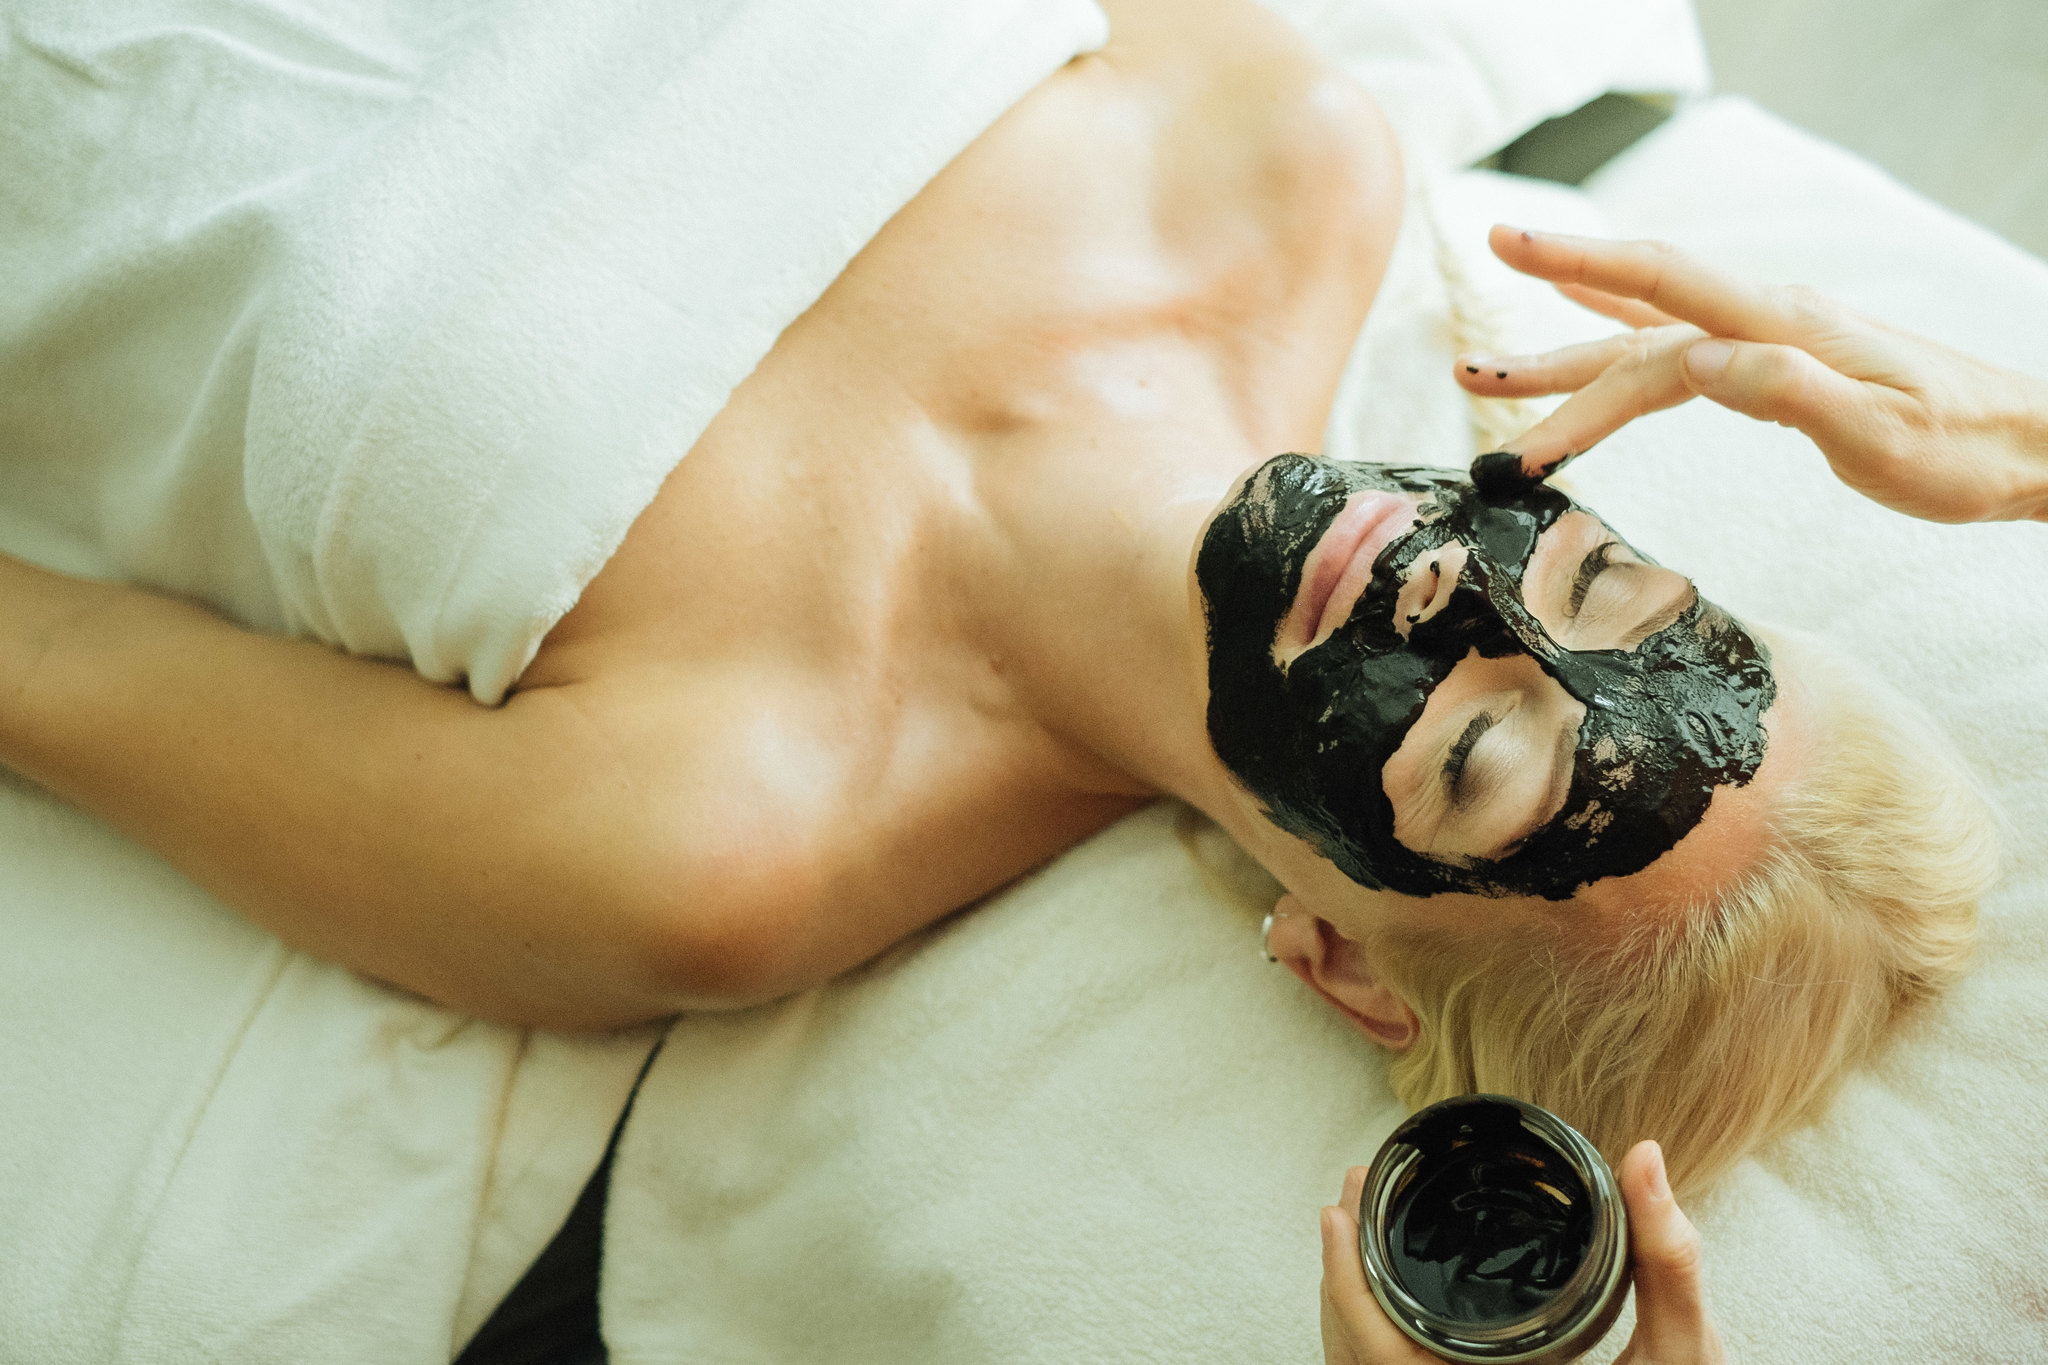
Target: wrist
(2016, 427)
(2031, 451)
(38, 609)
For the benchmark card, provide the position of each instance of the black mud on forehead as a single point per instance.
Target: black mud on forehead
(1666, 723)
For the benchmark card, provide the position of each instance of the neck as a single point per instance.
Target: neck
(1084, 600)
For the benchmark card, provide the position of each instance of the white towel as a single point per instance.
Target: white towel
(383, 326)
(529, 295)
(381, 322)
(1461, 81)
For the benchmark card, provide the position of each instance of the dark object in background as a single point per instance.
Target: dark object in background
(550, 1316)
(1572, 146)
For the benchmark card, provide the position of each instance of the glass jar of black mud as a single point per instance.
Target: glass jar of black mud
(1492, 1231)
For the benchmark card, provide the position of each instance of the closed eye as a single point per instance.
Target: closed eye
(1461, 751)
(1637, 599)
(1590, 568)
(1474, 780)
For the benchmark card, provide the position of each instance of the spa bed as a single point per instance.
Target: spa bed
(1084, 1122)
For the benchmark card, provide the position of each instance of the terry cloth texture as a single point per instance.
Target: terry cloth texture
(382, 323)
(379, 322)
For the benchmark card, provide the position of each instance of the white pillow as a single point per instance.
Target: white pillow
(1462, 80)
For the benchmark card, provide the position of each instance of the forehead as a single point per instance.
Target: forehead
(1730, 840)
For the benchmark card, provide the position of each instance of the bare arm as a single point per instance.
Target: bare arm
(503, 862)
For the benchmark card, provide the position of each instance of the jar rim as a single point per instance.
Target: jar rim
(1592, 1292)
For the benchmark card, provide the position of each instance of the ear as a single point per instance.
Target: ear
(1336, 969)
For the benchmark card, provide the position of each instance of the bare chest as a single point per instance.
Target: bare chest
(1172, 243)
(1157, 248)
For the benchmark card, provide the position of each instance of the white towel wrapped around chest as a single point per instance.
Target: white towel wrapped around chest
(380, 321)
(533, 293)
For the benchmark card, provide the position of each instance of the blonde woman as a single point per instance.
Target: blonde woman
(1915, 425)
(997, 545)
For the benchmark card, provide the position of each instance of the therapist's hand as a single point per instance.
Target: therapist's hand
(1921, 428)
(1672, 1326)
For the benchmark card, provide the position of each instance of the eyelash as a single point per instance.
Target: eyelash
(1454, 766)
(1590, 568)
(1595, 563)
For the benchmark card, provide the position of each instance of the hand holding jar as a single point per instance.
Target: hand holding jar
(1672, 1324)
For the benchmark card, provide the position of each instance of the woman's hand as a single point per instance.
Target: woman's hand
(1672, 1326)
(1921, 428)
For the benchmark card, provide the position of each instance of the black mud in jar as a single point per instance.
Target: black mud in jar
(1493, 1231)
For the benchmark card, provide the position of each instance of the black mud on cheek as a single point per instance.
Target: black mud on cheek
(1261, 719)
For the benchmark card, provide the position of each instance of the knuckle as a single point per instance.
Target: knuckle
(1780, 377)
(1680, 1252)
(1658, 257)
(1639, 349)
(1806, 306)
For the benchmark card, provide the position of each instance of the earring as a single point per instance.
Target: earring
(1266, 938)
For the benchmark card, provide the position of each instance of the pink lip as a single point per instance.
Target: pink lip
(1340, 566)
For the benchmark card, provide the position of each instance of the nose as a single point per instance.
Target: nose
(1432, 579)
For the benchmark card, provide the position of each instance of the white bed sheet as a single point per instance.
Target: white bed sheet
(272, 1159)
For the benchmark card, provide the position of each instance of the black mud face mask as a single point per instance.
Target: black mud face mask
(1666, 722)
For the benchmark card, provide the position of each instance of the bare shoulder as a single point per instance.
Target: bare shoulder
(1252, 99)
(1205, 178)
(781, 830)
(813, 760)
(1198, 120)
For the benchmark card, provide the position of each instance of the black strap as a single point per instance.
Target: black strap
(550, 1317)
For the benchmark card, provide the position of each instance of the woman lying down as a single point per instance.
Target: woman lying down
(998, 545)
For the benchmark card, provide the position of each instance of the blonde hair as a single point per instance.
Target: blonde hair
(1717, 1029)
